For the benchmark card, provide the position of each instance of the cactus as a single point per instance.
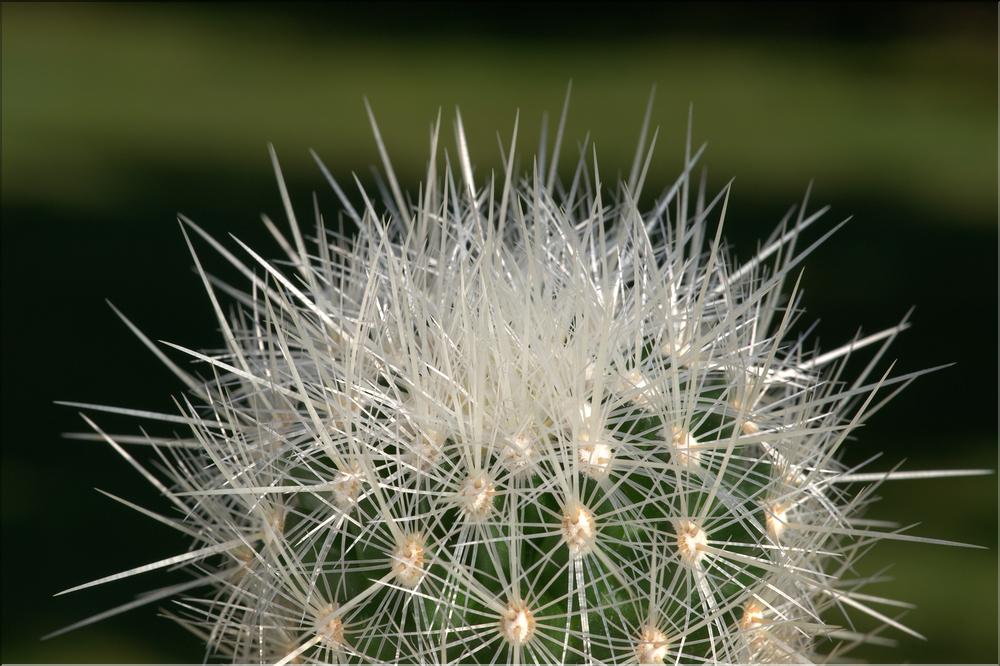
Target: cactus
(520, 421)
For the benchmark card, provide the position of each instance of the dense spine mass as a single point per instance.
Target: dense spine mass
(518, 421)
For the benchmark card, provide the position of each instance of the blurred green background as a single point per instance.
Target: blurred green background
(116, 117)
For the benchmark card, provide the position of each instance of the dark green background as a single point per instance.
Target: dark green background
(117, 117)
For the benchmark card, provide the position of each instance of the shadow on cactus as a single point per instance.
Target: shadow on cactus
(518, 421)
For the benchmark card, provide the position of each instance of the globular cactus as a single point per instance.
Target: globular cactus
(518, 421)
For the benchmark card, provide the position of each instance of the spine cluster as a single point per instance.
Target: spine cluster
(518, 421)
